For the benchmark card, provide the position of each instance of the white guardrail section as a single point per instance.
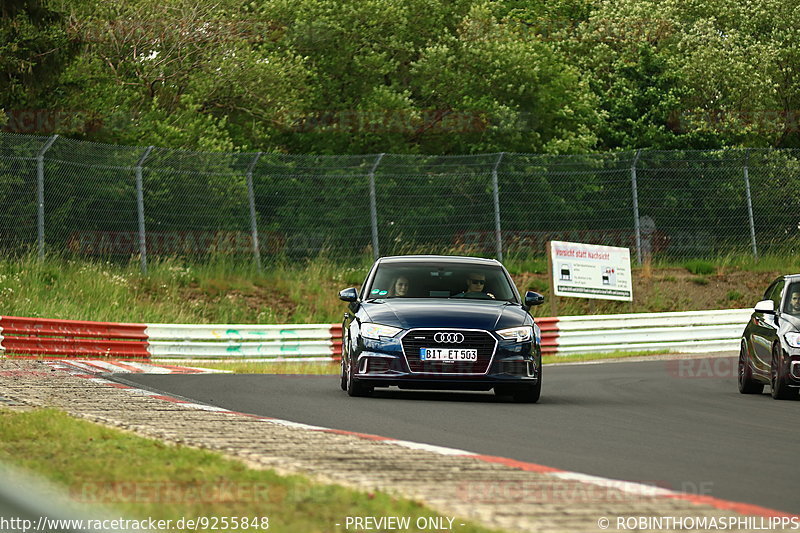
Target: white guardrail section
(688, 332)
(289, 341)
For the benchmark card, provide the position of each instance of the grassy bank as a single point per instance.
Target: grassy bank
(225, 292)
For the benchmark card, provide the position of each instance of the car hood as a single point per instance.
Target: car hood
(434, 313)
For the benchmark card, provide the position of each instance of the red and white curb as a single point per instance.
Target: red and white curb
(628, 487)
(96, 366)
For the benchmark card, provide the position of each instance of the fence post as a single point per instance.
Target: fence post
(40, 193)
(373, 208)
(636, 227)
(496, 192)
(251, 197)
(750, 204)
(140, 209)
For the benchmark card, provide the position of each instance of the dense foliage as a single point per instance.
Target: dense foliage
(404, 76)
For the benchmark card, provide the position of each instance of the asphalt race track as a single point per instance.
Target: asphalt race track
(679, 424)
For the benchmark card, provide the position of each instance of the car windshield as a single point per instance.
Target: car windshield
(438, 280)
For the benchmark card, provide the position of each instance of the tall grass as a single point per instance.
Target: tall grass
(222, 290)
(225, 290)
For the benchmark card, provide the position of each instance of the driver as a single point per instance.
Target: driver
(794, 302)
(476, 283)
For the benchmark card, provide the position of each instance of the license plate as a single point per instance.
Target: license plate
(448, 354)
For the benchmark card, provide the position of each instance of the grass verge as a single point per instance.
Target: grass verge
(142, 478)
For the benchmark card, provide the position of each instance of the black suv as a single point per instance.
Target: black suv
(770, 347)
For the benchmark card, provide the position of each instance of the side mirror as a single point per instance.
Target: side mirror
(533, 298)
(765, 306)
(348, 295)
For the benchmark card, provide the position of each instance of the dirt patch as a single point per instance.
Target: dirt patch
(660, 290)
(665, 289)
(252, 302)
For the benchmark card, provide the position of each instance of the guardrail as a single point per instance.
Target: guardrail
(688, 332)
(693, 331)
(292, 341)
(47, 336)
(66, 338)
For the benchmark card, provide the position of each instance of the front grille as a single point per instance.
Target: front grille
(423, 338)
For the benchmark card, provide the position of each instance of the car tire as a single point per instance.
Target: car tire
(780, 390)
(747, 385)
(520, 393)
(354, 388)
(527, 393)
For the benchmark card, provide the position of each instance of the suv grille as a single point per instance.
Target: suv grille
(423, 338)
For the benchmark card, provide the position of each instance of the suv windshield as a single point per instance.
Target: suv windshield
(437, 280)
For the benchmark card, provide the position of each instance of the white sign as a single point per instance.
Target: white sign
(591, 271)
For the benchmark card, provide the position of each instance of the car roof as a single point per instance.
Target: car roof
(439, 258)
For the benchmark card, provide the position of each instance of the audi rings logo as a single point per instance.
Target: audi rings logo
(448, 338)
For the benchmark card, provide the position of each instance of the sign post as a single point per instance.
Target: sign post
(553, 297)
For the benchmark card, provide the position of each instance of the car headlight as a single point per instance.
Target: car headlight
(376, 331)
(793, 339)
(519, 334)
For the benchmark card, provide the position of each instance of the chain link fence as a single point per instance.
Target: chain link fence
(109, 201)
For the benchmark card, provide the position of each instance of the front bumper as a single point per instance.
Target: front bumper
(385, 363)
(794, 372)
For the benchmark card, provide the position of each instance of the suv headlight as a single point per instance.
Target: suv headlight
(376, 331)
(519, 334)
(793, 339)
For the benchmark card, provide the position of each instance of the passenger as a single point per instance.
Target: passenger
(400, 287)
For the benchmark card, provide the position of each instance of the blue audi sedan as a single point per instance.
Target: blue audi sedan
(441, 322)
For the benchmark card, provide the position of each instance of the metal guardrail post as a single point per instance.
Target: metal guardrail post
(750, 204)
(635, 190)
(140, 209)
(251, 197)
(373, 208)
(40, 193)
(496, 193)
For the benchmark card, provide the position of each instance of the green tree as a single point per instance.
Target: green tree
(531, 99)
(34, 47)
(674, 74)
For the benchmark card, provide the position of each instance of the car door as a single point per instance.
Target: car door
(765, 328)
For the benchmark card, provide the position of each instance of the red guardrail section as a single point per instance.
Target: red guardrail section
(336, 341)
(549, 327)
(44, 336)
